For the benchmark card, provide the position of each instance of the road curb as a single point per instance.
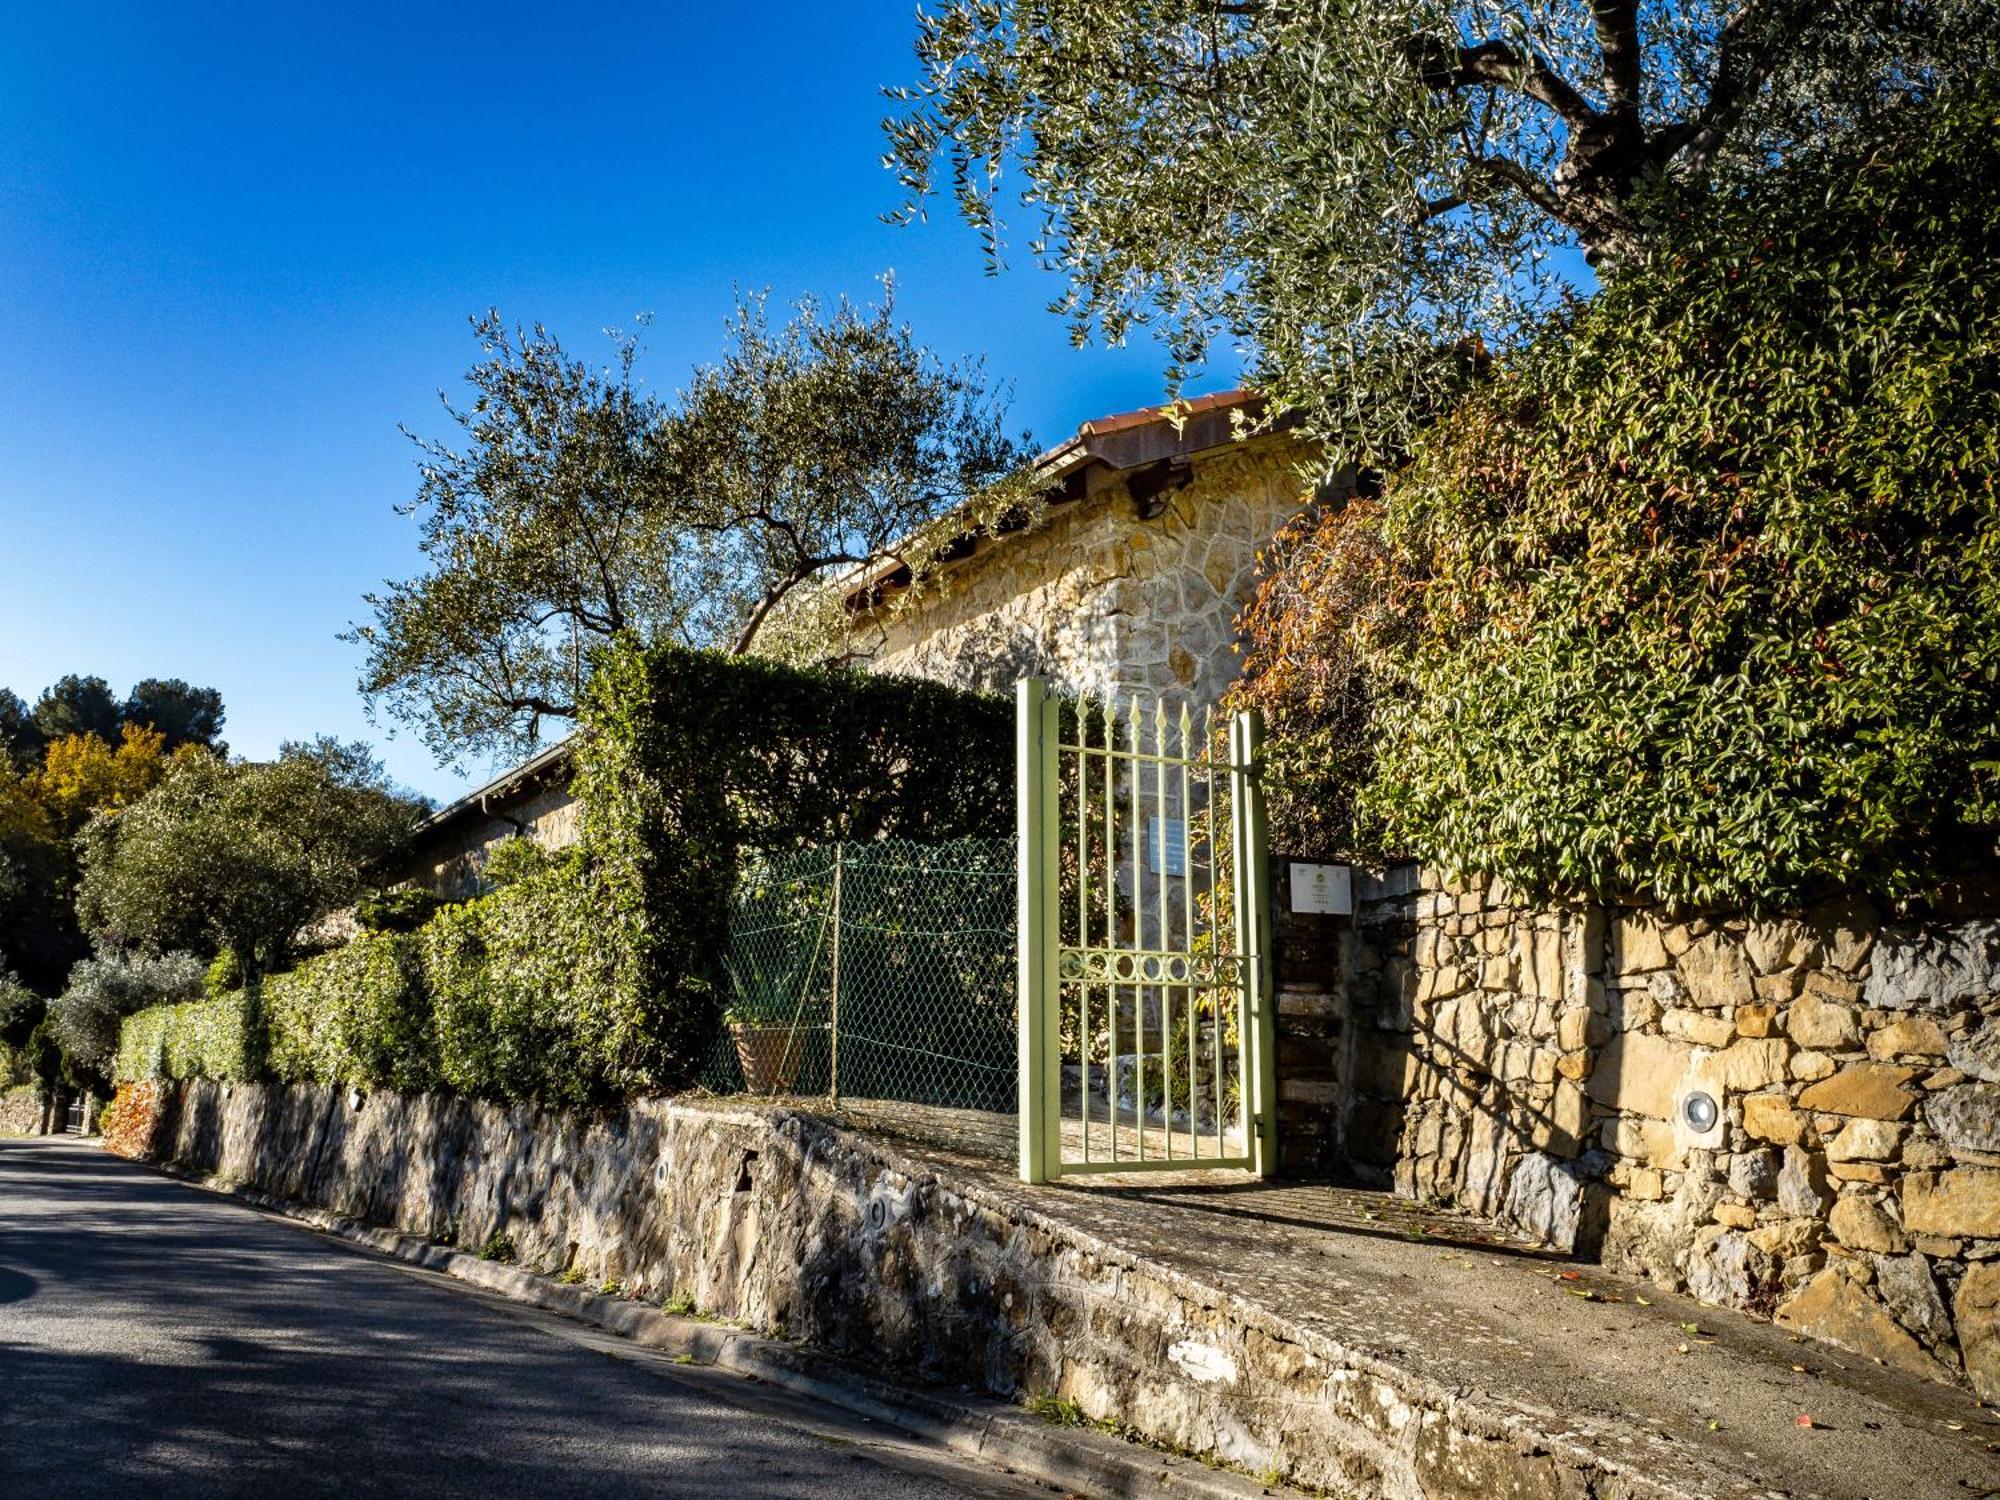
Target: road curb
(1077, 1460)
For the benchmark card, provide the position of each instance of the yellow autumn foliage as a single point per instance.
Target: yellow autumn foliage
(81, 774)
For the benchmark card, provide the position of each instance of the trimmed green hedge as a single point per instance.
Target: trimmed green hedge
(514, 996)
(593, 979)
(198, 1039)
(691, 758)
(359, 1015)
(534, 996)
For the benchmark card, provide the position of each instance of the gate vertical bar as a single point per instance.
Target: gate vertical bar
(1039, 891)
(1083, 905)
(1253, 924)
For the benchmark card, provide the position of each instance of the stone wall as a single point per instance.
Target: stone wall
(1534, 1062)
(22, 1110)
(1099, 600)
(451, 865)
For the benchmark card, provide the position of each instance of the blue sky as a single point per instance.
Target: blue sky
(239, 244)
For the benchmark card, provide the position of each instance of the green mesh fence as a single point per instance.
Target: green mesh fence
(880, 970)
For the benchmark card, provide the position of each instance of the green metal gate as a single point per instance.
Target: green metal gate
(1147, 1035)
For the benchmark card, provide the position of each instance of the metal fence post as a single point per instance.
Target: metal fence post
(1253, 937)
(833, 1017)
(1038, 934)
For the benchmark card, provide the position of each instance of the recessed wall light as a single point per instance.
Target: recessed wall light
(1700, 1111)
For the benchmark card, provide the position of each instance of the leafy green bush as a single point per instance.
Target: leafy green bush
(21, 1010)
(103, 990)
(225, 974)
(1700, 598)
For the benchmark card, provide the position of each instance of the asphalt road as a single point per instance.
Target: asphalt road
(158, 1341)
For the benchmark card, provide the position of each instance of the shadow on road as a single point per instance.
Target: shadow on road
(165, 1343)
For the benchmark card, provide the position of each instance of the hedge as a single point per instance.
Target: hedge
(593, 979)
(534, 996)
(196, 1039)
(359, 1015)
(513, 996)
(690, 758)
(1697, 600)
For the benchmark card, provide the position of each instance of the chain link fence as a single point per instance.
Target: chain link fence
(881, 970)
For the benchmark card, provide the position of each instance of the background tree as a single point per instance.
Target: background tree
(241, 856)
(38, 932)
(20, 741)
(39, 814)
(81, 775)
(102, 991)
(579, 508)
(1699, 597)
(546, 530)
(78, 705)
(78, 753)
(1356, 190)
(183, 715)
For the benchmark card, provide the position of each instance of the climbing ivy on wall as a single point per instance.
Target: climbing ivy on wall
(1699, 598)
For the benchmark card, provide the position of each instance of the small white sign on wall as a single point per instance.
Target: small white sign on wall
(1327, 890)
(1166, 846)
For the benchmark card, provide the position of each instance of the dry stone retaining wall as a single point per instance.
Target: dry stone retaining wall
(22, 1109)
(1531, 1062)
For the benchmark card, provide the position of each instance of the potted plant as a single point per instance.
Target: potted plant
(767, 1050)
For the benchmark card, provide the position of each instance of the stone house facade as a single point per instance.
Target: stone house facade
(532, 800)
(1132, 584)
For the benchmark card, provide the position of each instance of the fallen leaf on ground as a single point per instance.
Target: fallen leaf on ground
(1805, 1421)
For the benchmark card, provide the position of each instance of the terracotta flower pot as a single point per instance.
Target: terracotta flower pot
(768, 1055)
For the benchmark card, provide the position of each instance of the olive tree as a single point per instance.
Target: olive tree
(1364, 192)
(579, 507)
(106, 988)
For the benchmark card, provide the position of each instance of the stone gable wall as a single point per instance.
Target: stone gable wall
(1103, 602)
(1531, 1062)
(551, 817)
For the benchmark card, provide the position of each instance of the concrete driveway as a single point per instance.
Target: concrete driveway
(158, 1341)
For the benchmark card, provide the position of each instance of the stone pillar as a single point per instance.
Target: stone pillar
(1309, 962)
